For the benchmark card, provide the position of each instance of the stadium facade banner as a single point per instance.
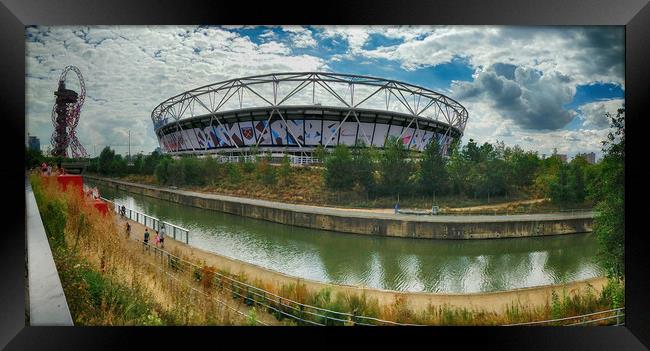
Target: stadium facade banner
(300, 111)
(307, 132)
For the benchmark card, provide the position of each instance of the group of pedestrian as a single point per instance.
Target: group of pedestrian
(159, 239)
(46, 169)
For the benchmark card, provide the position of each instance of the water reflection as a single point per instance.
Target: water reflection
(380, 262)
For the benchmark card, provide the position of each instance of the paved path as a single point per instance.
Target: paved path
(373, 214)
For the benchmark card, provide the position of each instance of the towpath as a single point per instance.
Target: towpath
(369, 213)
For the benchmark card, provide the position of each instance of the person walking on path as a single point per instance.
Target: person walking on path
(128, 230)
(156, 239)
(145, 242)
(162, 237)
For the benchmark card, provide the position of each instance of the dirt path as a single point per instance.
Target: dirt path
(137, 234)
(489, 301)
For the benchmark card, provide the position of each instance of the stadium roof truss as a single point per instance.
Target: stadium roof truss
(317, 89)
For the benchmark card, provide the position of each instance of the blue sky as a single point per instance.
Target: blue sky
(537, 87)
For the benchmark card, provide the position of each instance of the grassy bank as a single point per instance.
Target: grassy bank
(106, 279)
(109, 281)
(562, 304)
(306, 185)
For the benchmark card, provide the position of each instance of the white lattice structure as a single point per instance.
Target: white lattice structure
(296, 112)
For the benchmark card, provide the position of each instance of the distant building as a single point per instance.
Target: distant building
(561, 156)
(589, 157)
(34, 143)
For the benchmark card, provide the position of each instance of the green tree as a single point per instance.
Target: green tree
(339, 169)
(161, 173)
(363, 167)
(320, 153)
(150, 162)
(578, 167)
(284, 171)
(457, 169)
(394, 168)
(432, 173)
(33, 158)
(193, 170)
(211, 170)
(521, 167)
(265, 172)
(105, 159)
(560, 188)
(175, 173)
(117, 166)
(609, 192)
(546, 174)
(233, 173)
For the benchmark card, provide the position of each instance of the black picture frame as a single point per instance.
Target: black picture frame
(15, 14)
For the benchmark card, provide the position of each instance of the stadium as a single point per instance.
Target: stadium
(293, 113)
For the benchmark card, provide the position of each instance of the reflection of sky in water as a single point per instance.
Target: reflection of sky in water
(381, 262)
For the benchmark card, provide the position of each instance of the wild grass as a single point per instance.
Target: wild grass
(110, 280)
(106, 278)
(307, 186)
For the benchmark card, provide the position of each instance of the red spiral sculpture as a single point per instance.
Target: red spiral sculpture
(65, 117)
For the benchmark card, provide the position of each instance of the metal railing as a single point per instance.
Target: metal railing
(279, 306)
(298, 160)
(306, 314)
(165, 270)
(304, 160)
(175, 231)
(614, 316)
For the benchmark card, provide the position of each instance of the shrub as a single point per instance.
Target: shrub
(193, 171)
(54, 217)
(339, 169)
(394, 168)
(234, 174)
(613, 294)
(175, 173)
(265, 172)
(161, 172)
(211, 171)
(247, 167)
(284, 172)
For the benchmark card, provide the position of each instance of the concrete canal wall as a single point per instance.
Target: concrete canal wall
(494, 301)
(371, 223)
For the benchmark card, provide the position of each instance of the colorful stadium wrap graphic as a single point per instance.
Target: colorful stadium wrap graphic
(308, 133)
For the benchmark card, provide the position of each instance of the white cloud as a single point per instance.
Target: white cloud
(129, 70)
(300, 37)
(529, 98)
(593, 114)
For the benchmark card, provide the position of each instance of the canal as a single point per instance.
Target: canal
(446, 266)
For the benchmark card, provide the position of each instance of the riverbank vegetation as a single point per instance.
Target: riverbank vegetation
(473, 175)
(108, 280)
(609, 194)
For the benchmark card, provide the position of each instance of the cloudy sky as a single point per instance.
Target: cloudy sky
(538, 87)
